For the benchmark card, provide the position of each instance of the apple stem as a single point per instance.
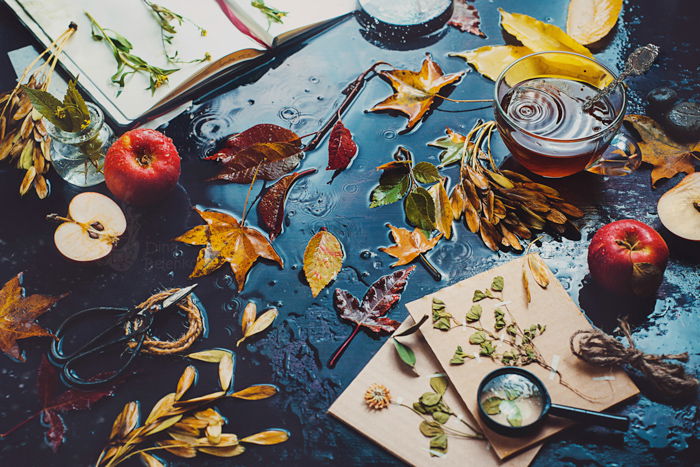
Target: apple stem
(89, 228)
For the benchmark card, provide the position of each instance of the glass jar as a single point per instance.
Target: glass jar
(78, 157)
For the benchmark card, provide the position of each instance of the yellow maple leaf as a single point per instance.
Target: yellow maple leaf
(408, 245)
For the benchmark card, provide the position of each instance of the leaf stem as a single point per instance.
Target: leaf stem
(250, 188)
(431, 269)
(21, 424)
(338, 353)
(462, 100)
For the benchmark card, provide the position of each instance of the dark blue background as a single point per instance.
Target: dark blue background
(299, 89)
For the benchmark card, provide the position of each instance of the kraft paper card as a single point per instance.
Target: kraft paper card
(552, 307)
(396, 428)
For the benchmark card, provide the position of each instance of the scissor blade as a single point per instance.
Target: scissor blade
(177, 296)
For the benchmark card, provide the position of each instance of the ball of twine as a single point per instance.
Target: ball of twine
(195, 327)
(600, 349)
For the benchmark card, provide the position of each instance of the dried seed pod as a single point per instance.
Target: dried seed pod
(458, 201)
(489, 235)
(42, 190)
(377, 397)
(471, 218)
(27, 180)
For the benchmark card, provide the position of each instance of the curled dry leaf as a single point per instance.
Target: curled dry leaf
(341, 147)
(259, 325)
(18, 314)
(539, 269)
(225, 240)
(256, 392)
(443, 209)
(185, 381)
(415, 92)
(275, 150)
(323, 259)
(248, 318)
(408, 245)
(271, 205)
(210, 356)
(588, 21)
(465, 17)
(526, 286)
(267, 437)
(667, 156)
(126, 421)
(226, 371)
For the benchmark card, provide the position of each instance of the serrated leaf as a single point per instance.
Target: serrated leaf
(478, 296)
(210, 356)
(74, 106)
(323, 260)
(465, 17)
(452, 145)
(408, 245)
(405, 353)
(226, 371)
(268, 437)
(393, 186)
(425, 172)
(260, 324)
(539, 269)
(420, 209)
(256, 392)
(49, 107)
(443, 209)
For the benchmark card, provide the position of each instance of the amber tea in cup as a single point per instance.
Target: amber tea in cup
(539, 107)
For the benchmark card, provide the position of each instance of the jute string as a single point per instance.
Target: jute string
(195, 326)
(600, 349)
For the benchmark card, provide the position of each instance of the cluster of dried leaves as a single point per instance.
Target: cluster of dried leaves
(252, 324)
(186, 427)
(503, 206)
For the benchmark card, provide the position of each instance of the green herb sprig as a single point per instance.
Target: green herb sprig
(272, 14)
(127, 62)
(70, 115)
(166, 19)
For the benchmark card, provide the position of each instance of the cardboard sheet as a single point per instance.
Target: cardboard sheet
(396, 428)
(551, 307)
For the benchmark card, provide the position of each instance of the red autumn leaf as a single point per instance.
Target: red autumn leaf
(466, 18)
(53, 405)
(341, 147)
(276, 150)
(378, 299)
(271, 205)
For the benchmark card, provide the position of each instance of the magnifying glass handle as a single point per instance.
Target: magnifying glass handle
(615, 422)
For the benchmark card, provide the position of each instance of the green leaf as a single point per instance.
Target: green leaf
(405, 353)
(497, 284)
(425, 172)
(441, 417)
(439, 384)
(420, 408)
(478, 296)
(420, 209)
(439, 442)
(492, 405)
(512, 413)
(487, 348)
(76, 108)
(452, 145)
(512, 329)
(49, 107)
(393, 186)
(474, 314)
(430, 398)
(478, 337)
(413, 328)
(459, 356)
(430, 429)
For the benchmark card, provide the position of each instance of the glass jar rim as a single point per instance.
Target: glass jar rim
(86, 134)
(618, 118)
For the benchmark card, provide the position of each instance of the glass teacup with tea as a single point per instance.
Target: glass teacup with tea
(540, 113)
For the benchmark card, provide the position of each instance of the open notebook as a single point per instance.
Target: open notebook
(236, 33)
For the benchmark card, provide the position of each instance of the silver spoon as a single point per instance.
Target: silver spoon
(638, 62)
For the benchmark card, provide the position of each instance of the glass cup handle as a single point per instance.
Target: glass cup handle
(621, 157)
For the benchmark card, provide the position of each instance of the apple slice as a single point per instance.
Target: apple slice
(679, 208)
(93, 227)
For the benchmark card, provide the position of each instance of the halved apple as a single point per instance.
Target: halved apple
(92, 228)
(679, 208)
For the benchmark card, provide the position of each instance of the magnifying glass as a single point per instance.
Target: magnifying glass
(514, 402)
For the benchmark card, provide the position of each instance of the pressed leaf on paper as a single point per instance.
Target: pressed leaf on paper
(275, 150)
(261, 323)
(660, 150)
(341, 147)
(589, 21)
(323, 259)
(539, 36)
(465, 17)
(539, 269)
(491, 60)
(271, 205)
(18, 314)
(415, 92)
(225, 240)
(443, 209)
(408, 245)
(405, 353)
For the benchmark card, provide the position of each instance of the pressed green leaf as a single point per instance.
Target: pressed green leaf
(497, 284)
(439, 384)
(478, 337)
(420, 209)
(405, 353)
(492, 405)
(430, 398)
(439, 442)
(390, 190)
(478, 296)
(413, 328)
(487, 348)
(512, 412)
(474, 314)
(441, 417)
(425, 172)
(430, 429)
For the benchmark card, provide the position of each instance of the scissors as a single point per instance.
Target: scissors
(141, 322)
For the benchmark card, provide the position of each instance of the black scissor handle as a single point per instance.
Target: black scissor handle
(57, 354)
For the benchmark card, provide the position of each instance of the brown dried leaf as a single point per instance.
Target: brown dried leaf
(489, 235)
(175, 447)
(210, 356)
(248, 317)
(256, 392)
(260, 324)
(210, 416)
(158, 426)
(471, 218)
(126, 421)
(539, 269)
(213, 433)
(226, 371)
(408, 245)
(526, 286)
(162, 407)
(223, 452)
(27, 181)
(267, 437)
(457, 201)
(150, 461)
(185, 382)
(443, 209)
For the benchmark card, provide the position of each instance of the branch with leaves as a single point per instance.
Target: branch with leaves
(166, 20)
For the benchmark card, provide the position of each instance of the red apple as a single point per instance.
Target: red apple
(628, 257)
(142, 166)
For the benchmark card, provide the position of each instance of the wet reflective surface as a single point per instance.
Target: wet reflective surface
(299, 91)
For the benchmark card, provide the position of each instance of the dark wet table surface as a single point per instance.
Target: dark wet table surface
(298, 89)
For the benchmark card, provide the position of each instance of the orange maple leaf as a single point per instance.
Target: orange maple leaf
(408, 244)
(17, 315)
(225, 240)
(658, 149)
(414, 92)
